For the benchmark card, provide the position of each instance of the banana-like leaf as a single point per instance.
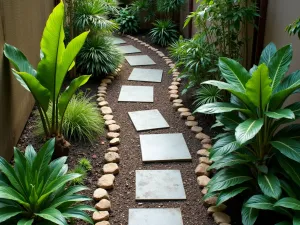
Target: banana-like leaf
(52, 46)
(223, 147)
(288, 202)
(25, 222)
(290, 167)
(69, 92)
(269, 185)
(267, 54)
(228, 160)
(219, 107)
(247, 130)
(258, 87)
(279, 65)
(229, 193)
(53, 215)
(234, 73)
(260, 202)
(249, 215)
(78, 214)
(288, 147)
(8, 212)
(295, 107)
(281, 113)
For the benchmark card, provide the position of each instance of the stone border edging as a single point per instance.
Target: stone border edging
(201, 170)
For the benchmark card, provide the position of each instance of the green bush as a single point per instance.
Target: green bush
(35, 190)
(128, 21)
(82, 120)
(86, 164)
(259, 152)
(79, 170)
(164, 32)
(207, 94)
(99, 57)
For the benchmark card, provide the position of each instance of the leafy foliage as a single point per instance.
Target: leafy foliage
(35, 190)
(82, 120)
(99, 56)
(164, 32)
(79, 170)
(45, 84)
(294, 28)
(86, 164)
(128, 21)
(207, 94)
(259, 151)
(167, 6)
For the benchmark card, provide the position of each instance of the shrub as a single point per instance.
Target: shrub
(35, 190)
(79, 170)
(99, 57)
(164, 32)
(128, 21)
(82, 120)
(207, 94)
(86, 164)
(259, 152)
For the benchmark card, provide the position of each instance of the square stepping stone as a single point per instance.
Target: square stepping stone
(136, 94)
(148, 75)
(148, 120)
(117, 40)
(139, 60)
(159, 185)
(164, 147)
(153, 216)
(127, 49)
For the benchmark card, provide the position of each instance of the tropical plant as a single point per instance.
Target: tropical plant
(167, 6)
(45, 84)
(258, 153)
(35, 190)
(164, 32)
(79, 170)
(207, 94)
(294, 28)
(99, 56)
(128, 21)
(86, 164)
(82, 120)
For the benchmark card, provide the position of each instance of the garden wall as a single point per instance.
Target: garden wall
(21, 24)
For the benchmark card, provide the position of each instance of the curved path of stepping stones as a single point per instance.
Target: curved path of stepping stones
(156, 184)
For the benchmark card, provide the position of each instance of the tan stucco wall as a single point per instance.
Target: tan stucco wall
(21, 24)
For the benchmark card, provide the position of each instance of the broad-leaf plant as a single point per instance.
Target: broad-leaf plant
(258, 154)
(46, 82)
(36, 191)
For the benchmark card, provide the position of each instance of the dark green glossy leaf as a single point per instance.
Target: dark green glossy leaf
(229, 193)
(288, 202)
(288, 147)
(247, 130)
(270, 185)
(267, 54)
(260, 202)
(249, 215)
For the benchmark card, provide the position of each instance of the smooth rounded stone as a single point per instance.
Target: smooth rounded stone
(175, 83)
(203, 152)
(106, 181)
(205, 160)
(108, 117)
(100, 99)
(211, 201)
(101, 95)
(114, 128)
(112, 157)
(103, 85)
(204, 191)
(100, 216)
(100, 193)
(191, 123)
(184, 115)
(206, 146)
(206, 141)
(178, 79)
(173, 87)
(172, 65)
(201, 169)
(101, 88)
(112, 135)
(173, 92)
(111, 77)
(103, 223)
(176, 73)
(191, 118)
(196, 129)
(114, 142)
(219, 208)
(103, 103)
(183, 110)
(102, 92)
(177, 106)
(111, 168)
(106, 110)
(202, 136)
(103, 205)
(109, 122)
(203, 180)
(113, 149)
(107, 81)
(221, 217)
(173, 97)
(177, 100)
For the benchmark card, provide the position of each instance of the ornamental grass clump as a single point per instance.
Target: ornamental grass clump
(164, 32)
(259, 152)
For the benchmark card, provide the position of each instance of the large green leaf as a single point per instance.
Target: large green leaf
(229, 193)
(228, 160)
(25, 222)
(279, 65)
(78, 214)
(234, 73)
(281, 113)
(249, 215)
(270, 185)
(260, 202)
(52, 46)
(9, 212)
(69, 92)
(290, 167)
(68, 198)
(219, 107)
(258, 87)
(248, 129)
(11, 194)
(288, 202)
(229, 120)
(288, 147)
(223, 147)
(267, 54)
(20, 169)
(39, 92)
(53, 215)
